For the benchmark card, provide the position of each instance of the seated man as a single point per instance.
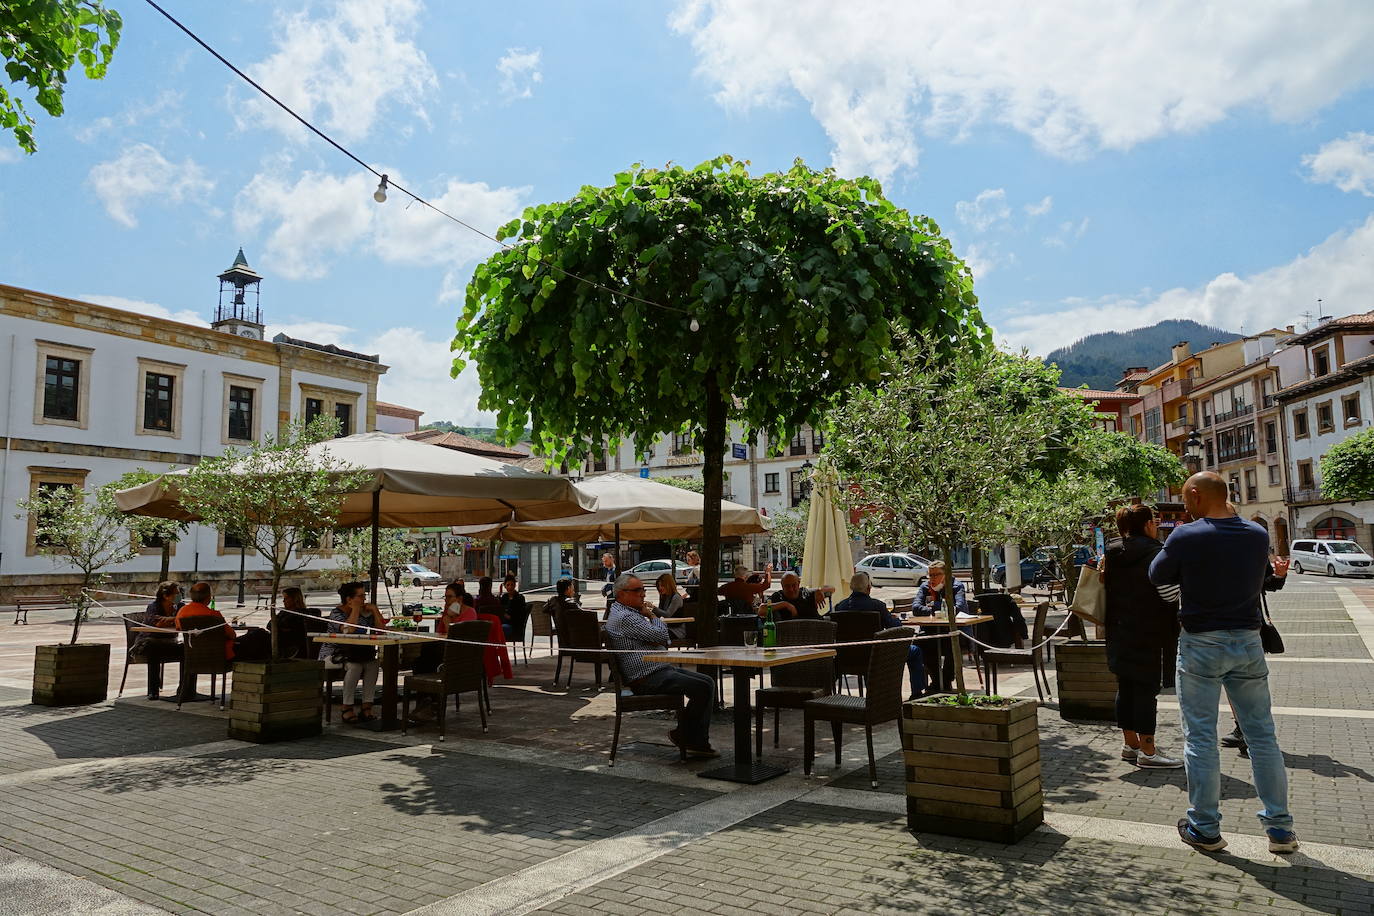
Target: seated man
(860, 600)
(740, 592)
(930, 594)
(633, 625)
(199, 606)
(799, 603)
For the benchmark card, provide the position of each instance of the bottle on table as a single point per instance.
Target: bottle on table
(770, 628)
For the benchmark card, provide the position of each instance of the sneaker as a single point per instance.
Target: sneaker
(1234, 739)
(1187, 834)
(1282, 841)
(1159, 761)
(704, 752)
(1129, 753)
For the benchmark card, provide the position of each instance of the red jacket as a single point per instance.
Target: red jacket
(195, 609)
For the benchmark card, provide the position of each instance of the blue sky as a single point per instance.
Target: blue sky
(1098, 170)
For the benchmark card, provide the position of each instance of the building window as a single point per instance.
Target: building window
(1271, 438)
(1273, 475)
(1350, 409)
(599, 462)
(1326, 421)
(1335, 529)
(1206, 405)
(1321, 362)
(61, 389)
(682, 442)
(62, 385)
(1305, 481)
(1154, 426)
(798, 444)
(1300, 424)
(794, 480)
(344, 414)
(241, 413)
(770, 483)
(314, 407)
(158, 390)
(1234, 488)
(817, 440)
(1251, 486)
(49, 479)
(1211, 454)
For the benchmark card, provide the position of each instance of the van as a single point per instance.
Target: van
(1335, 558)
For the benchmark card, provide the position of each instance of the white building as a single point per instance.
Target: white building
(92, 392)
(1326, 392)
(393, 418)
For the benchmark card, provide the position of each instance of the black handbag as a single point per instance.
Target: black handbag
(1269, 634)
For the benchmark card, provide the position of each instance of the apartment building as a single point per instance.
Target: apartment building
(1325, 395)
(92, 392)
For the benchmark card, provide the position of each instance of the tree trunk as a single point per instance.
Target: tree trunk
(82, 602)
(166, 569)
(976, 562)
(956, 650)
(713, 473)
(272, 611)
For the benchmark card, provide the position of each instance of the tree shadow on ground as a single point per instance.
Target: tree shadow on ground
(186, 773)
(1352, 893)
(1325, 765)
(122, 731)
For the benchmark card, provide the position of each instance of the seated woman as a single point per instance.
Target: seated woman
(456, 609)
(355, 615)
(486, 601)
(670, 604)
(293, 626)
(514, 609)
(158, 650)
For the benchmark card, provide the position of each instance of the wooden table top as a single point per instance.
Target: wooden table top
(741, 656)
(944, 621)
(161, 631)
(350, 639)
(677, 619)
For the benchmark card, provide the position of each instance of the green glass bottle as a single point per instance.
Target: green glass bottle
(770, 629)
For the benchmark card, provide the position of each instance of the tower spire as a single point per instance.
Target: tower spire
(235, 314)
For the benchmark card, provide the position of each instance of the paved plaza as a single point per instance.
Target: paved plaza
(133, 807)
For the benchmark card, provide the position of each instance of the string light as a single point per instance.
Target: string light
(695, 325)
(379, 195)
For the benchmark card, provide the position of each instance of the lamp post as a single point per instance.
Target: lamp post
(804, 488)
(1192, 452)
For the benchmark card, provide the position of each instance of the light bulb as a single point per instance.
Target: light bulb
(380, 194)
(695, 325)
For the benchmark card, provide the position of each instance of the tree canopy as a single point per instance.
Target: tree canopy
(684, 298)
(41, 40)
(1348, 468)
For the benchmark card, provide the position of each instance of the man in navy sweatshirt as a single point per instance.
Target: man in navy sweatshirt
(1219, 562)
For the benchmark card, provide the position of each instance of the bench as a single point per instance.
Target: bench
(23, 605)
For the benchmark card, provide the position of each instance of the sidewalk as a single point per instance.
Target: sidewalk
(131, 804)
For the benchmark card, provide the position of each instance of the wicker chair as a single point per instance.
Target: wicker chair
(854, 626)
(463, 671)
(130, 658)
(1019, 655)
(519, 623)
(883, 703)
(626, 700)
(578, 632)
(794, 685)
(541, 623)
(203, 653)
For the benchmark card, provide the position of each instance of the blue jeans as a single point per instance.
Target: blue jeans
(1233, 659)
(916, 668)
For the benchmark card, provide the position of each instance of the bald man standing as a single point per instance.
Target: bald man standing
(1219, 562)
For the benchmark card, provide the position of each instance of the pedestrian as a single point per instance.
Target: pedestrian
(1142, 629)
(1219, 563)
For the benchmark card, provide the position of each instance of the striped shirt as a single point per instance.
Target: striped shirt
(629, 629)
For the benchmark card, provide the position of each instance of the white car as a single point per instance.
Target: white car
(1335, 558)
(650, 570)
(420, 575)
(894, 568)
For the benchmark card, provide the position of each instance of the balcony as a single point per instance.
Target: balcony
(1176, 429)
(1270, 401)
(1244, 410)
(1177, 388)
(1238, 454)
(1298, 495)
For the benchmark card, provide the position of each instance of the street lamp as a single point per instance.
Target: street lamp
(804, 488)
(1192, 452)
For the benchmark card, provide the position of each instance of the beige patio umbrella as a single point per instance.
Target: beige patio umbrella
(826, 558)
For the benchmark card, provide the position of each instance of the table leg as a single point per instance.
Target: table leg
(391, 665)
(744, 769)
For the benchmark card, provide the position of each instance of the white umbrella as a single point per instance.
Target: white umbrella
(826, 559)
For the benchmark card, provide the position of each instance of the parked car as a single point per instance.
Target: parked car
(421, 575)
(1032, 571)
(1335, 558)
(892, 569)
(650, 570)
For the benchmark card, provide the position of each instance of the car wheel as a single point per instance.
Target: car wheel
(415, 582)
(1330, 570)
(1297, 567)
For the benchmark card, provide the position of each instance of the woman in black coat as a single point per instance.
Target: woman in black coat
(1142, 630)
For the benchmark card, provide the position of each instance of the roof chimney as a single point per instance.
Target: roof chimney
(1288, 328)
(1180, 351)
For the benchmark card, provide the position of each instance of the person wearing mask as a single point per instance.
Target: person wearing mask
(1142, 629)
(514, 609)
(156, 651)
(670, 604)
(456, 609)
(355, 615)
(860, 599)
(1219, 562)
(199, 606)
(930, 602)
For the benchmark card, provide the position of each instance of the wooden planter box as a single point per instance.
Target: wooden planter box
(276, 700)
(1087, 688)
(973, 772)
(68, 675)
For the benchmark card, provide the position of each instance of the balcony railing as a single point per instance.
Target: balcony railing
(1270, 400)
(1236, 454)
(1177, 428)
(1177, 388)
(1302, 494)
(1244, 410)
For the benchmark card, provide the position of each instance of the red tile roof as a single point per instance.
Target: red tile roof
(461, 443)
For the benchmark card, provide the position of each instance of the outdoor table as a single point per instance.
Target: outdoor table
(742, 661)
(946, 648)
(391, 666)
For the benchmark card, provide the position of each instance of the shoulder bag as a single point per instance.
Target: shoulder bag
(1269, 634)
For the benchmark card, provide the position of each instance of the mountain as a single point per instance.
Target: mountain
(1099, 359)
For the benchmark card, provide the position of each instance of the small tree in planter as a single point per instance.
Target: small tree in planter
(354, 547)
(77, 529)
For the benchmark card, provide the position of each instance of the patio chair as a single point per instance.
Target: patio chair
(793, 685)
(1008, 626)
(854, 626)
(130, 640)
(578, 632)
(882, 704)
(203, 652)
(463, 671)
(541, 623)
(994, 658)
(626, 700)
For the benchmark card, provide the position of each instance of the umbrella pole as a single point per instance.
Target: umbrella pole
(376, 514)
(617, 548)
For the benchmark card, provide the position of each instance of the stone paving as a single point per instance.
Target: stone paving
(134, 807)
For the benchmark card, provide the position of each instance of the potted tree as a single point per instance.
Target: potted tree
(77, 529)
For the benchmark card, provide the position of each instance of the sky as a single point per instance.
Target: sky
(1100, 167)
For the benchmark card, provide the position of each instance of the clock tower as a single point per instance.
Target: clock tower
(234, 315)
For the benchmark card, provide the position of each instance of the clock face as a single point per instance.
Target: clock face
(247, 332)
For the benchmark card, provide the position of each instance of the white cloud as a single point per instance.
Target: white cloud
(1067, 232)
(159, 106)
(1073, 75)
(8, 153)
(1339, 270)
(985, 211)
(151, 309)
(984, 257)
(140, 172)
(341, 69)
(321, 216)
(520, 72)
(1348, 163)
(1046, 204)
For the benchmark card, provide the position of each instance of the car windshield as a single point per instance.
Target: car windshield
(1344, 547)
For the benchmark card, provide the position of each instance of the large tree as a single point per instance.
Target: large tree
(691, 297)
(41, 40)
(1348, 468)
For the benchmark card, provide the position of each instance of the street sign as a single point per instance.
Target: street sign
(739, 451)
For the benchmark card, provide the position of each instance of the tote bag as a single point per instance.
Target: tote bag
(1090, 598)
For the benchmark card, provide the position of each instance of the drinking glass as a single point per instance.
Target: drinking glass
(751, 638)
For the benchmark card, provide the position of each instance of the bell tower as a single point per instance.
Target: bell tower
(234, 314)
